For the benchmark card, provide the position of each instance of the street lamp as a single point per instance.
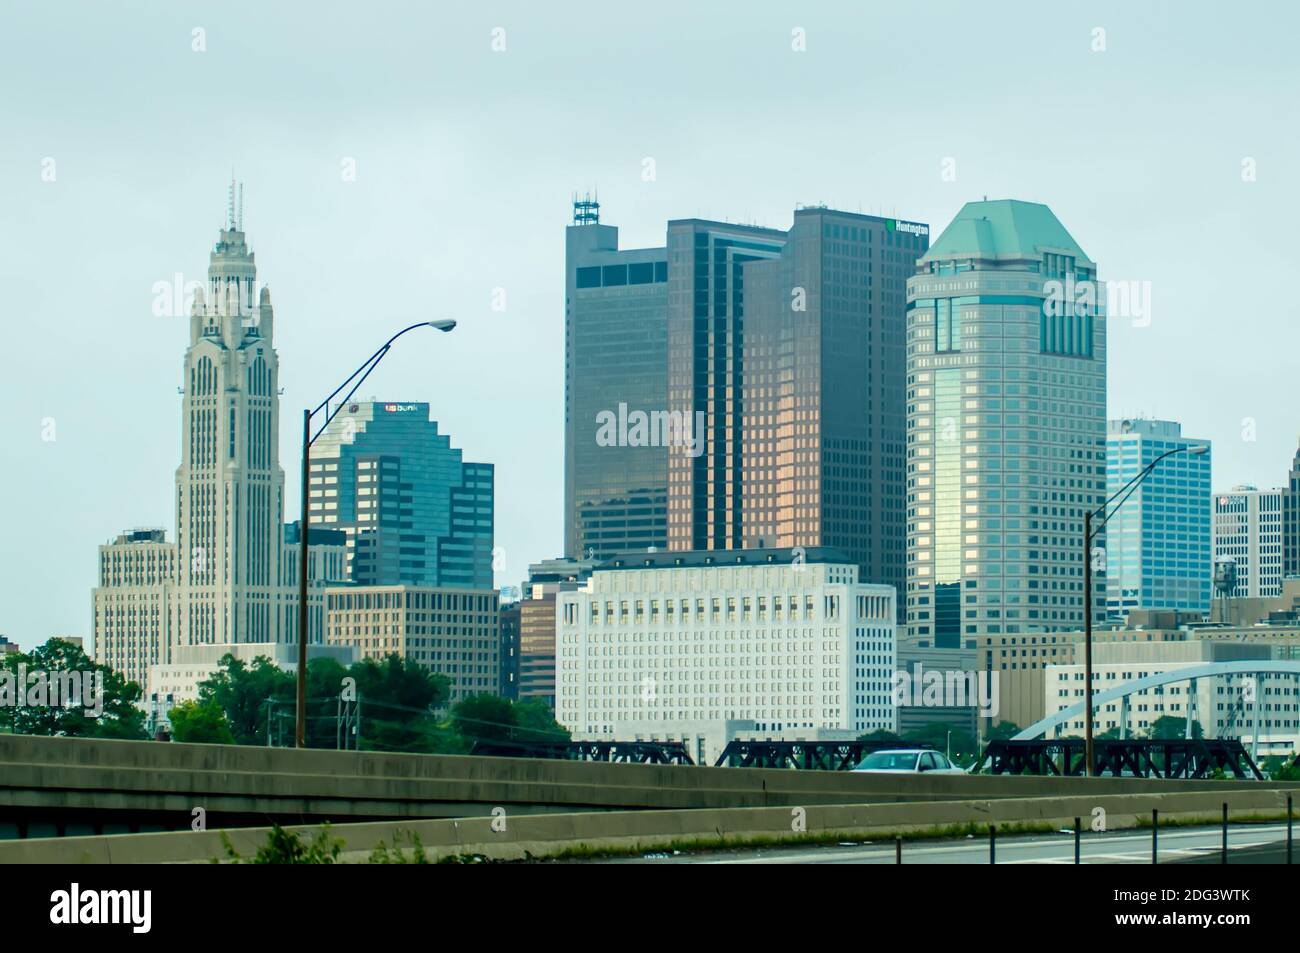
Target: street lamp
(359, 375)
(1088, 533)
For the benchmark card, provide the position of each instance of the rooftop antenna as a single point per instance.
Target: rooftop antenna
(241, 207)
(230, 202)
(586, 210)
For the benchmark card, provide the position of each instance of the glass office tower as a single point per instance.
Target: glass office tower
(1159, 544)
(706, 367)
(414, 512)
(778, 356)
(615, 363)
(823, 409)
(1006, 427)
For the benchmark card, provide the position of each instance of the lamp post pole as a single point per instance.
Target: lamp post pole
(1088, 763)
(1089, 766)
(300, 721)
(359, 375)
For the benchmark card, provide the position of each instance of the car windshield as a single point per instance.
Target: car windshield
(889, 761)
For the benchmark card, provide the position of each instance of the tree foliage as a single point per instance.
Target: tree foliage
(881, 736)
(536, 722)
(120, 716)
(245, 691)
(200, 722)
(1171, 727)
(484, 718)
(1003, 731)
(492, 718)
(398, 702)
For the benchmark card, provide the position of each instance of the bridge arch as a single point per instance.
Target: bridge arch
(1172, 676)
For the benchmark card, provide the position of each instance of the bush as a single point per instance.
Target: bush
(286, 847)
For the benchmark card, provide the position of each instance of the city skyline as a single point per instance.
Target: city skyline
(419, 234)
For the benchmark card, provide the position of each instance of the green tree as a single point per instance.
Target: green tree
(398, 700)
(242, 691)
(120, 717)
(882, 736)
(1003, 731)
(325, 682)
(200, 722)
(484, 717)
(399, 681)
(1171, 727)
(534, 721)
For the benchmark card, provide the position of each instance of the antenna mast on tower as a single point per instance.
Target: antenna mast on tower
(586, 210)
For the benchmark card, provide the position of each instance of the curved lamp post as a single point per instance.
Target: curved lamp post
(1089, 767)
(359, 375)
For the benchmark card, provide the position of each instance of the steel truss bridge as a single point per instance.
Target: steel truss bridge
(1188, 759)
(803, 755)
(628, 752)
(800, 755)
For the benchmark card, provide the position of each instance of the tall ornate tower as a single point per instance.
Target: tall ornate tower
(229, 485)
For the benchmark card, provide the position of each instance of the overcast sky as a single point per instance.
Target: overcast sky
(466, 157)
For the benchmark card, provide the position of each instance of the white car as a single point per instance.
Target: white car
(907, 761)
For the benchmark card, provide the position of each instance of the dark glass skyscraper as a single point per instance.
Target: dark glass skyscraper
(615, 478)
(771, 368)
(822, 400)
(415, 513)
(706, 367)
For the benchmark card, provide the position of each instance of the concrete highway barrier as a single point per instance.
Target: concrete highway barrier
(507, 837)
(97, 783)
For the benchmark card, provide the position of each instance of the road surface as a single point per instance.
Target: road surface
(1119, 847)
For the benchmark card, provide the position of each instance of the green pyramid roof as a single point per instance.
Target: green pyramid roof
(1005, 228)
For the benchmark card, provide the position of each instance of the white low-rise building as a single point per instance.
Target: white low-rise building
(178, 680)
(788, 640)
